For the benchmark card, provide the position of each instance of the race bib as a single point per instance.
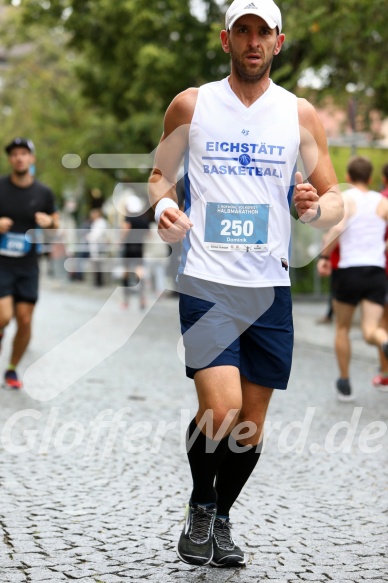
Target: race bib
(14, 244)
(236, 227)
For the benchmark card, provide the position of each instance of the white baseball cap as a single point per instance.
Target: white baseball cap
(266, 9)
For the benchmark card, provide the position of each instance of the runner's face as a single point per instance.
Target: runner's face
(20, 160)
(252, 46)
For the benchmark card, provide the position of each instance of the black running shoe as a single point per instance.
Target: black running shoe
(344, 391)
(196, 541)
(226, 552)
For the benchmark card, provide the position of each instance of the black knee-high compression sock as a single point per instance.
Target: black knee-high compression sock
(234, 471)
(205, 456)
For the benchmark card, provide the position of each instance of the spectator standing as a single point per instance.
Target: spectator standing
(98, 242)
(135, 228)
(334, 260)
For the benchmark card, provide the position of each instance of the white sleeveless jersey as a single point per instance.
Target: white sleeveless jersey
(362, 241)
(239, 172)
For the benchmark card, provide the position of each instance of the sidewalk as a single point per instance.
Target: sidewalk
(94, 479)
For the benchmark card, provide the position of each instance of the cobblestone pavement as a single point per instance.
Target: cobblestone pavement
(94, 481)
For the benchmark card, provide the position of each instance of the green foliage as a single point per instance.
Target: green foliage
(345, 39)
(40, 98)
(340, 158)
(135, 56)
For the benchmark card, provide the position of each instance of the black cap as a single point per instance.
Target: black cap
(20, 143)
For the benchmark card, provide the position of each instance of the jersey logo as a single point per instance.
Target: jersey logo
(245, 132)
(251, 5)
(244, 159)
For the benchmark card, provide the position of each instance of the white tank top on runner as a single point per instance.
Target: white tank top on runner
(362, 241)
(239, 172)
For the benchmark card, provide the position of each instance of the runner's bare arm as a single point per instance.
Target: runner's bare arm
(322, 187)
(54, 221)
(5, 224)
(173, 223)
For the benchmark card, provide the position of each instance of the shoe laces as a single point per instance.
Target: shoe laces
(222, 534)
(201, 523)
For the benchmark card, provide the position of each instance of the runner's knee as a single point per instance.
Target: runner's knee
(5, 320)
(218, 419)
(24, 321)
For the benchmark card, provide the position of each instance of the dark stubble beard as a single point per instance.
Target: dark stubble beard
(21, 173)
(244, 75)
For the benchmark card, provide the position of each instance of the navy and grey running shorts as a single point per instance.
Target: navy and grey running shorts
(250, 328)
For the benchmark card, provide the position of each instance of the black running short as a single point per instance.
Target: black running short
(361, 283)
(20, 282)
(386, 288)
